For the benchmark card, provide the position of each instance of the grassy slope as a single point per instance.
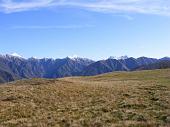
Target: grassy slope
(114, 99)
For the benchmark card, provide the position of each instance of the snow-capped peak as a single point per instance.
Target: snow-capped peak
(73, 57)
(16, 55)
(79, 59)
(119, 58)
(11, 55)
(123, 57)
(112, 57)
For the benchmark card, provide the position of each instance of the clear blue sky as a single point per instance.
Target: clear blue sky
(94, 29)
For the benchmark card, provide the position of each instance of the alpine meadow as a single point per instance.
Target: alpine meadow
(84, 63)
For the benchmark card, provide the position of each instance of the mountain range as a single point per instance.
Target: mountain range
(14, 67)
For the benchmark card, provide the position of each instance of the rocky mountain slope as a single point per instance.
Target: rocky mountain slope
(15, 67)
(158, 65)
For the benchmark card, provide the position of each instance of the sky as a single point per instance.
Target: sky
(94, 29)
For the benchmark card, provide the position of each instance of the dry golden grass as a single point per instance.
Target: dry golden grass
(122, 99)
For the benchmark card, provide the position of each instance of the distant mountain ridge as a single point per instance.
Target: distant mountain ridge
(113, 64)
(163, 64)
(14, 67)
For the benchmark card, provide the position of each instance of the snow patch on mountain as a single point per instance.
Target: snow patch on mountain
(73, 57)
(119, 58)
(16, 55)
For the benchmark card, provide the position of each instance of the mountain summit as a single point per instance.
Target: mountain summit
(119, 58)
(16, 55)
